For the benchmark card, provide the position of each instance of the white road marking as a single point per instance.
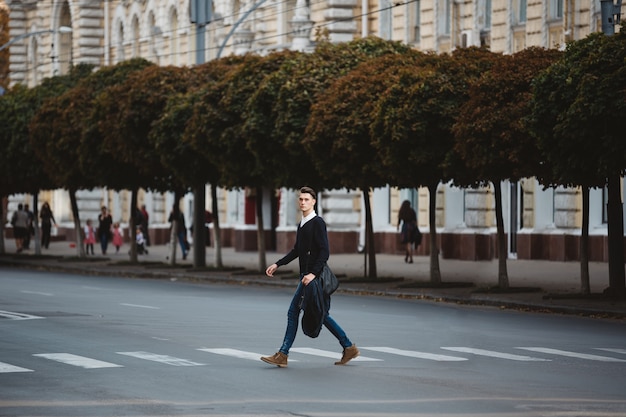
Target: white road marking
(572, 354)
(139, 306)
(416, 354)
(47, 294)
(76, 360)
(18, 316)
(329, 354)
(492, 354)
(241, 354)
(622, 351)
(5, 368)
(168, 360)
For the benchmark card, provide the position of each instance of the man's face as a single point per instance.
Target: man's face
(307, 202)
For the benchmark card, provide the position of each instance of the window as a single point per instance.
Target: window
(555, 9)
(444, 16)
(519, 10)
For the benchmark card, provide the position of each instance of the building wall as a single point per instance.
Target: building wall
(543, 223)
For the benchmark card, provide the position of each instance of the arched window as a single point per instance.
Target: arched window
(136, 52)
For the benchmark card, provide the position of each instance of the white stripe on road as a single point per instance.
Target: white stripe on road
(572, 354)
(415, 354)
(622, 351)
(329, 354)
(17, 316)
(5, 368)
(76, 360)
(241, 354)
(168, 360)
(47, 294)
(139, 306)
(492, 354)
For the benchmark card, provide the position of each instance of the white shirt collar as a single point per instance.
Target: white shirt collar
(307, 218)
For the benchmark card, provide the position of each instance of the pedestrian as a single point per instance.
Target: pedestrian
(90, 237)
(409, 234)
(105, 221)
(145, 224)
(47, 218)
(19, 221)
(141, 242)
(30, 227)
(181, 233)
(118, 238)
(311, 249)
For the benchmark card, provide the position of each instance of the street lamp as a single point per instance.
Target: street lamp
(61, 29)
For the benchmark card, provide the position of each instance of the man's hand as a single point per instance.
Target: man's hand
(270, 270)
(307, 279)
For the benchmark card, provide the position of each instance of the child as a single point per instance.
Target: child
(118, 240)
(90, 237)
(141, 242)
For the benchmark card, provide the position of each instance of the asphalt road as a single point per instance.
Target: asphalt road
(88, 346)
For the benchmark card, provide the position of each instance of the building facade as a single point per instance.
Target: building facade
(540, 224)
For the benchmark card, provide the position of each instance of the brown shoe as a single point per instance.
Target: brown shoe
(348, 354)
(279, 359)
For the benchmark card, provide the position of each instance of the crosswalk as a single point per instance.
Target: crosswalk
(373, 354)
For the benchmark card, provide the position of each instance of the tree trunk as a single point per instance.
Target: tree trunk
(133, 226)
(260, 235)
(3, 220)
(199, 230)
(584, 245)
(503, 276)
(370, 247)
(80, 234)
(615, 211)
(217, 234)
(435, 272)
(37, 236)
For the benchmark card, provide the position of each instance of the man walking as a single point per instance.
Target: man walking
(311, 248)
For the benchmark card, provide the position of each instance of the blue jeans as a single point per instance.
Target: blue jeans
(104, 243)
(293, 314)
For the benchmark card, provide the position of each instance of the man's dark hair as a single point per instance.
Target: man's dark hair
(308, 190)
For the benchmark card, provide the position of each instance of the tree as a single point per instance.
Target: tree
(491, 137)
(125, 114)
(63, 134)
(412, 126)
(225, 142)
(338, 134)
(301, 82)
(176, 151)
(22, 156)
(571, 115)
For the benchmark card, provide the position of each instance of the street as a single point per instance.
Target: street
(78, 345)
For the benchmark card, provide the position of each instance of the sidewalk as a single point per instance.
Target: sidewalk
(541, 286)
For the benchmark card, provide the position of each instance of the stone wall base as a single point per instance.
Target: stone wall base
(463, 246)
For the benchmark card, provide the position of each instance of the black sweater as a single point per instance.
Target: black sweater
(310, 237)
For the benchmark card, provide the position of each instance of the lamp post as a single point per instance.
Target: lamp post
(61, 29)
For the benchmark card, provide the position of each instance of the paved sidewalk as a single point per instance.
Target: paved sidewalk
(536, 285)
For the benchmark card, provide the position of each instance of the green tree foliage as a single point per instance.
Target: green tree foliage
(301, 81)
(126, 113)
(62, 132)
(492, 137)
(412, 125)
(241, 163)
(168, 134)
(574, 106)
(23, 169)
(338, 137)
